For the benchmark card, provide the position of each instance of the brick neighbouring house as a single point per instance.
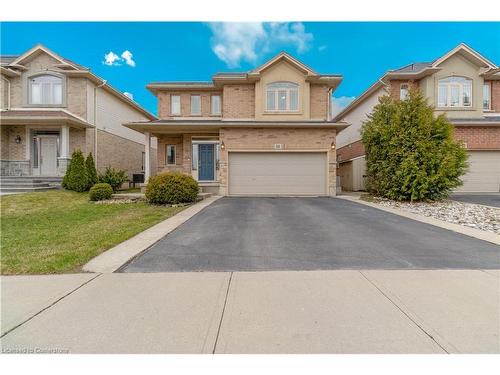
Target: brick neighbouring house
(262, 132)
(51, 106)
(462, 84)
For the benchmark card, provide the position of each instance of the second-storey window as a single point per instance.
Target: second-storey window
(455, 92)
(403, 91)
(486, 96)
(195, 104)
(282, 97)
(46, 89)
(216, 107)
(170, 151)
(175, 105)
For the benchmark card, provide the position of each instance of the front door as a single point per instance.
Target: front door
(48, 156)
(206, 156)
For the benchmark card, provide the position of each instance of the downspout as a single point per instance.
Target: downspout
(95, 120)
(8, 91)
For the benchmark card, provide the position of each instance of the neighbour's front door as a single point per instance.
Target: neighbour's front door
(48, 156)
(206, 158)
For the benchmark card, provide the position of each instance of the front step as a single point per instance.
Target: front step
(23, 184)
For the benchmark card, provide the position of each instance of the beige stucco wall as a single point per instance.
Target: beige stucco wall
(257, 139)
(456, 66)
(282, 72)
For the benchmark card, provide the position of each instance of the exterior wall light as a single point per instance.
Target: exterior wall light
(18, 139)
(222, 145)
(333, 145)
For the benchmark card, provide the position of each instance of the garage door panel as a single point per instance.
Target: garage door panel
(483, 174)
(268, 173)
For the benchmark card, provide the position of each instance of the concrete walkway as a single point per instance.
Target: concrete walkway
(410, 311)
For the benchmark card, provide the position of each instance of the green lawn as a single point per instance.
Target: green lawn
(59, 231)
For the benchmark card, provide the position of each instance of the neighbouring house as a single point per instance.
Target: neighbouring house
(465, 86)
(263, 132)
(51, 106)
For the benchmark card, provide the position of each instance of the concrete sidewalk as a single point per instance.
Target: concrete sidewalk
(410, 311)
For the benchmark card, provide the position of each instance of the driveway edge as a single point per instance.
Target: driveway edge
(471, 232)
(112, 259)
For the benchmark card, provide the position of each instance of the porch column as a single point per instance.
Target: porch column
(147, 161)
(64, 150)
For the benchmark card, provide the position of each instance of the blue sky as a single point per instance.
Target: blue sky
(146, 51)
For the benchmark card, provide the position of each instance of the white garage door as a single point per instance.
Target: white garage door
(484, 172)
(277, 173)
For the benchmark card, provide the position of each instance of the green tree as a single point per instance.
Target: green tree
(77, 178)
(64, 182)
(91, 171)
(410, 153)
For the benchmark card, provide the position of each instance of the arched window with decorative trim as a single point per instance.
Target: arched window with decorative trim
(45, 89)
(282, 97)
(455, 91)
(403, 91)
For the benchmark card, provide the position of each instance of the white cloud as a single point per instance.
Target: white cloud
(237, 42)
(322, 47)
(111, 59)
(129, 95)
(338, 104)
(127, 56)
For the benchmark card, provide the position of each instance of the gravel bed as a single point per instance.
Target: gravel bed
(466, 214)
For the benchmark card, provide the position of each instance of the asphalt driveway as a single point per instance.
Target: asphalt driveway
(491, 199)
(248, 234)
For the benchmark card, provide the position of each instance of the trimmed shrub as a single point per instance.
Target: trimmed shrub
(76, 178)
(64, 182)
(113, 177)
(171, 188)
(410, 153)
(99, 192)
(91, 171)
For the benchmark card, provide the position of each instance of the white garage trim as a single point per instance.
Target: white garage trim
(484, 172)
(240, 183)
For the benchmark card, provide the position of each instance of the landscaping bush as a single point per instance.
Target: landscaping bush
(410, 154)
(91, 171)
(76, 177)
(64, 182)
(101, 191)
(171, 188)
(113, 177)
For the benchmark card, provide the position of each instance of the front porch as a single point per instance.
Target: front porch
(39, 145)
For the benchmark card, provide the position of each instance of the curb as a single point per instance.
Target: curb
(471, 232)
(112, 259)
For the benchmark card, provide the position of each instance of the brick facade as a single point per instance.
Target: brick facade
(239, 101)
(320, 101)
(164, 103)
(479, 138)
(351, 151)
(495, 96)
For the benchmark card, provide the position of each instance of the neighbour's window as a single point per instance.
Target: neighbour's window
(403, 91)
(282, 97)
(195, 105)
(175, 105)
(486, 96)
(216, 107)
(46, 89)
(171, 154)
(455, 92)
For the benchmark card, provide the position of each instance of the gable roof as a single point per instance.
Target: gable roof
(419, 70)
(11, 65)
(283, 56)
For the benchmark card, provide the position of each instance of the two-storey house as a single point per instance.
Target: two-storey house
(263, 132)
(465, 86)
(51, 106)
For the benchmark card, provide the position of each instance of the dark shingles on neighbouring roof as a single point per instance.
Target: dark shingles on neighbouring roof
(413, 67)
(7, 59)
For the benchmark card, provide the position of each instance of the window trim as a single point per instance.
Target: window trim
(212, 105)
(27, 90)
(489, 96)
(407, 91)
(449, 88)
(276, 91)
(174, 147)
(172, 107)
(191, 105)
